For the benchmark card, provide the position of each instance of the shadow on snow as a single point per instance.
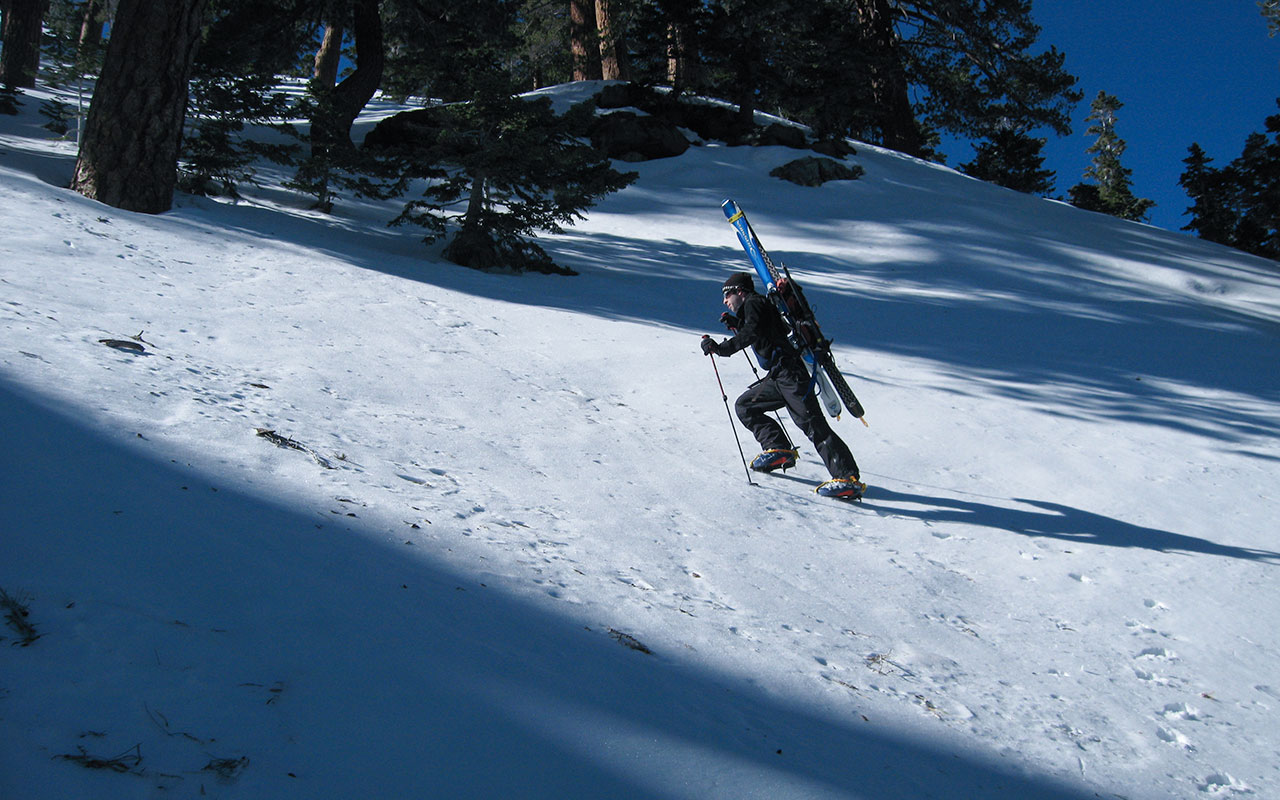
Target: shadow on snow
(1054, 521)
(393, 673)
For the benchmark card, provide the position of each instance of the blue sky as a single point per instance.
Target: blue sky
(1187, 71)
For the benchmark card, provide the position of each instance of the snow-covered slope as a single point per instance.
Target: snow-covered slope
(519, 555)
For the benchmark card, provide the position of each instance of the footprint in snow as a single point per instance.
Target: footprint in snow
(1173, 737)
(1222, 783)
(1159, 653)
(1146, 675)
(436, 471)
(1180, 711)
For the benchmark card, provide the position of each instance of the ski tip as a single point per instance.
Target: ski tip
(730, 209)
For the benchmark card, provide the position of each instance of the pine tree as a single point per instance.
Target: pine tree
(443, 49)
(20, 56)
(502, 168)
(1271, 12)
(744, 48)
(668, 40)
(583, 38)
(894, 72)
(9, 102)
(610, 24)
(129, 153)
(72, 43)
(246, 46)
(1111, 190)
(880, 24)
(334, 105)
(1012, 159)
(1212, 217)
(540, 58)
(1258, 171)
(1239, 204)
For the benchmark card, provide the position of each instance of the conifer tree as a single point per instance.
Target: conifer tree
(129, 153)
(1111, 191)
(893, 72)
(540, 59)
(247, 45)
(1212, 217)
(500, 169)
(1012, 159)
(72, 43)
(20, 29)
(1271, 12)
(583, 38)
(1258, 171)
(497, 168)
(1239, 204)
(669, 43)
(334, 104)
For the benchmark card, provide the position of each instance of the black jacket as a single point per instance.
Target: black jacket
(761, 327)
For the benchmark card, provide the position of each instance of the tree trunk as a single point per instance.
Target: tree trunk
(746, 117)
(612, 58)
(475, 205)
(324, 73)
(20, 57)
(341, 104)
(746, 69)
(583, 43)
(473, 246)
(675, 57)
(91, 26)
(129, 153)
(889, 87)
(358, 88)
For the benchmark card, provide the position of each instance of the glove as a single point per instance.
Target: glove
(729, 320)
(709, 346)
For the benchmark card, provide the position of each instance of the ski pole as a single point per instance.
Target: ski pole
(725, 398)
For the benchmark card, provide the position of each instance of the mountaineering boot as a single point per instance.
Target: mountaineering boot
(849, 488)
(770, 460)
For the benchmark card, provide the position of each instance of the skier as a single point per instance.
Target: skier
(756, 323)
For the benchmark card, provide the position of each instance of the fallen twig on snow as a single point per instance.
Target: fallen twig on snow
(16, 612)
(285, 441)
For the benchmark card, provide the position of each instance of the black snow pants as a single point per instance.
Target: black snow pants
(788, 385)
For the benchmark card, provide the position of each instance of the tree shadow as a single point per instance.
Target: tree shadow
(1013, 294)
(384, 670)
(1055, 521)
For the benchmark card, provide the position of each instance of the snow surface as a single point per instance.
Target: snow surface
(1062, 582)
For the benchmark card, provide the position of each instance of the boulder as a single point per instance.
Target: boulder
(627, 95)
(630, 137)
(811, 171)
(408, 130)
(709, 121)
(836, 148)
(785, 135)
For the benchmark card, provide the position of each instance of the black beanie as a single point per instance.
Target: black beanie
(740, 280)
